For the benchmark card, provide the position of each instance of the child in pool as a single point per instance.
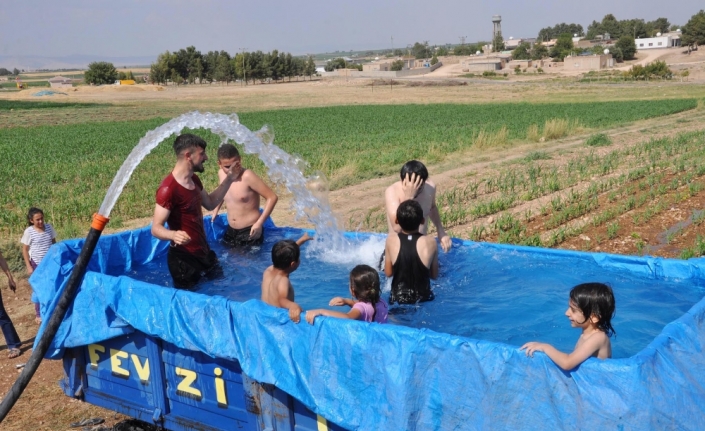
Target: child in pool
(36, 240)
(591, 307)
(367, 304)
(276, 286)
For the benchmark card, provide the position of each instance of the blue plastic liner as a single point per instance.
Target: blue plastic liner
(368, 376)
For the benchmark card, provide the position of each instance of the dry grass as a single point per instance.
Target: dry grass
(557, 128)
(488, 139)
(532, 133)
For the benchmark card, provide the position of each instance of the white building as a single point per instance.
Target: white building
(667, 40)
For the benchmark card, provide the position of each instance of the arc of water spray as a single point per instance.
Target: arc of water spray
(282, 168)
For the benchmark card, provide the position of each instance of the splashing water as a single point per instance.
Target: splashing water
(310, 195)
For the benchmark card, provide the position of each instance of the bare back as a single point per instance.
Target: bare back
(425, 247)
(394, 196)
(275, 287)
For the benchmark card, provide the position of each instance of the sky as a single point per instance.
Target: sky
(145, 28)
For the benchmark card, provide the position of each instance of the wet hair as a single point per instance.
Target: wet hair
(409, 215)
(364, 281)
(595, 299)
(31, 213)
(228, 151)
(284, 253)
(414, 167)
(188, 141)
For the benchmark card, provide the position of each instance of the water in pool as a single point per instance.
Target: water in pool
(509, 297)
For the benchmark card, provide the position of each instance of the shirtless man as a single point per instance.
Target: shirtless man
(243, 200)
(179, 198)
(414, 184)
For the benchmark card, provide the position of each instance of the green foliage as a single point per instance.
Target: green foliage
(598, 140)
(22, 105)
(434, 60)
(628, 47)
(693, 32)
(539, 51)
(522, 52)
(657, 69)
(4, 72)
(563, 47)
(71, 184)
(442, 51)
(636, 28)
(15, 71)
(397, 65)
(421, 50)
(548, 33)
(335, 64)
(498, 43)
(100, 73)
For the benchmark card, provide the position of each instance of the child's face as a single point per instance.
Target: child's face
(38, 220)
(576, 316)
(235, 163)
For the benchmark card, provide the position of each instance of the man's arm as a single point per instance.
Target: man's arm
(435, 217)
(6, 270)
(216, 210)
(388, 265)
(259, 187)
(433, 270)
(391, 203)
(161, 214)
(209, 201)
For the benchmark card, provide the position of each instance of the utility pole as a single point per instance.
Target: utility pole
(244, 72)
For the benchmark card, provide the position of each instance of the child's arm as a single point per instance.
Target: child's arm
(568, 361)
(262, 189)
(338, 301)
(25, 255)
(284, 301)
(305, 237)
(353, 314)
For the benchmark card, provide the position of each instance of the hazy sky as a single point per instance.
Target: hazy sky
(147, 27)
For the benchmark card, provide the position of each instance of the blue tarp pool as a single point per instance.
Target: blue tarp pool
(428, 371)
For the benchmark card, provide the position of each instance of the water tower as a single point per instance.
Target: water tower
(497, 22)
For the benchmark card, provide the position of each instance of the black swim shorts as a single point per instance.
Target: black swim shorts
(241, 237)
(187, 269)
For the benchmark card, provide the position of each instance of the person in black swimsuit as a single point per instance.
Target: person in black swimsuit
(411, 257)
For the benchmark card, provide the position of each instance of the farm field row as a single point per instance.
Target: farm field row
(66, 169)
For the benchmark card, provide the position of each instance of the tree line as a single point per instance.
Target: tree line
(190, 66)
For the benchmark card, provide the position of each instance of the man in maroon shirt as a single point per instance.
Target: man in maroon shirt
(179, 200)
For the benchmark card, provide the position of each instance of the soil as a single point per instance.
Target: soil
(43, 406)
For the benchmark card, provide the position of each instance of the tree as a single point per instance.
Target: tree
(434, 60)
(498, 43)
(563, 47)
(223, 68)
(628, 47)
(310, 68)
(397, 65)
(522, 52)
(398, 52)
(4, 72)
(15, 71)
(549, 33)
(693, 32)
(539, 51)
(442, 51)
(421, 50)
(100, 72)
(335, 64)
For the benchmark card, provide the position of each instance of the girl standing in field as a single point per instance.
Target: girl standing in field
(366, 305)
(590, 308)
(36, 240)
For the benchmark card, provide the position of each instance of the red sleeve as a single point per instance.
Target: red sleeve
(163, 197)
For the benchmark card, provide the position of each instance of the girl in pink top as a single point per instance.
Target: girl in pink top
(366, 305)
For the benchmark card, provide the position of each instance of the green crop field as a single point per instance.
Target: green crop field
(16, 105)
(66, 169)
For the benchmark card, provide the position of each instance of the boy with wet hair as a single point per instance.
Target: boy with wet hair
(411, 257)
(243, 200)
(415, 185)
(276, 286)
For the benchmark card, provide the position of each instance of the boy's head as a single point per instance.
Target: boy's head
(284, 254)
(414, 167)
(595, 300)
(409, 216)
(229, 156)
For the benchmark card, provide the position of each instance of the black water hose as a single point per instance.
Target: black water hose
(56, 318)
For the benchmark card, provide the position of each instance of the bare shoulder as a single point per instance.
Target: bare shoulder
(248, 175)
(429, 242)
(394, 190)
